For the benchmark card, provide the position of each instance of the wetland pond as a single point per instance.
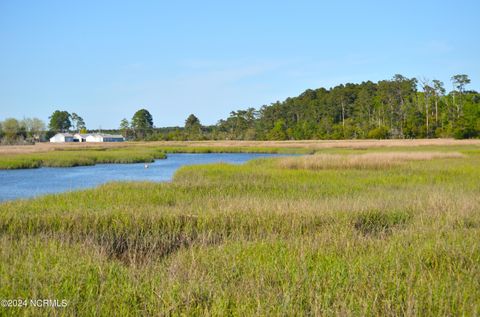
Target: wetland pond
(27, 183)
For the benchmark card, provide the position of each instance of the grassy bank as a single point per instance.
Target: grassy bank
(79, 157)
(130, 153)
(278, 236)
(69, 155)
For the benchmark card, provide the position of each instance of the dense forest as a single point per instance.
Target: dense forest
(397, 108)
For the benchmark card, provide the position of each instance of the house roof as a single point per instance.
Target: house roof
(103, 135)
(113, 136)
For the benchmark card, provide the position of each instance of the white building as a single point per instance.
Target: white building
(104, 138)
(80, 137)
(61, 138)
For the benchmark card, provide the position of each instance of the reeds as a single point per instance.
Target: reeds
(256, 239)
(84, 157)
(74, 154)
(380, 160)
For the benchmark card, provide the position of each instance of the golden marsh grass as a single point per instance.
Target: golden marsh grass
(362, 161)
(305, 144)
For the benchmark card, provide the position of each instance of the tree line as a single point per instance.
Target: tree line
(31, 130)
(27, 130)
(397, 108)
(400, 107)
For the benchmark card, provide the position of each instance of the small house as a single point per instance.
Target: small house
(61, 138)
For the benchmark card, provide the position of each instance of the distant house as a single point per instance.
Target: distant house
(61, 138)
(98, 137)
(80, 137)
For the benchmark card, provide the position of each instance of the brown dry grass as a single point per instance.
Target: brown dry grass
(362, 161)
(46, 147)
(309, 144)
(325, 144)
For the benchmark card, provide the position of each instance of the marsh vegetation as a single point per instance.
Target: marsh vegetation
(71, 156)
(381, 160)
(271, 237)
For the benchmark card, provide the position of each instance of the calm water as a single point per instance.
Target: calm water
(27, 183)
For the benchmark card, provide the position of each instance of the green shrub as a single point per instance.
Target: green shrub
(379, 133)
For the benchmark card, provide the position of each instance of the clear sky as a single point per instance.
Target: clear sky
(106, 59)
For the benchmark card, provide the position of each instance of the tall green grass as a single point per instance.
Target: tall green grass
(80, 157)
(254, 239)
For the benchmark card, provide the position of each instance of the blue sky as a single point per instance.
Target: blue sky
(106, 59)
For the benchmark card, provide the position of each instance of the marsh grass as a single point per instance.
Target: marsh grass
(50, 154)
(376, 222)
(380, 160)
(311, 145)
(255, 240)
(71, 158)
